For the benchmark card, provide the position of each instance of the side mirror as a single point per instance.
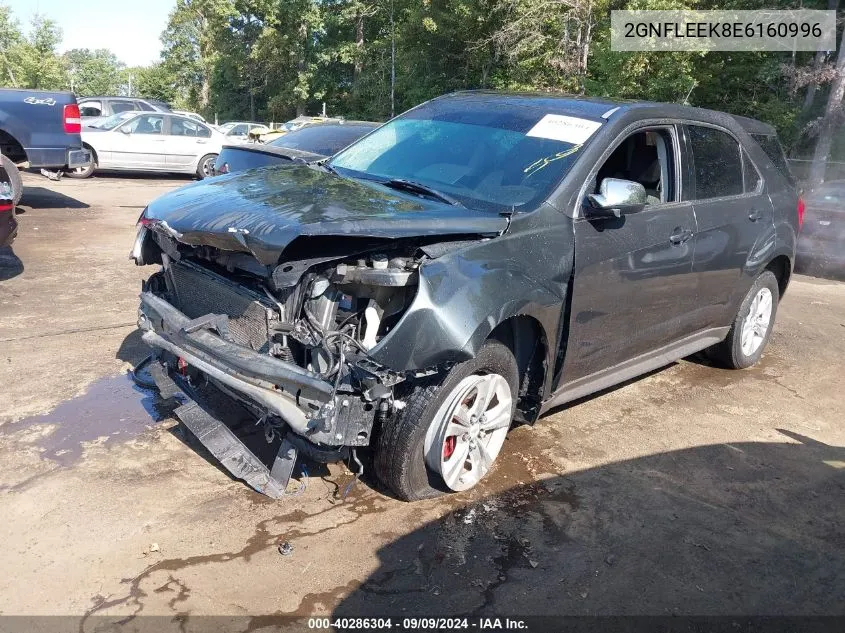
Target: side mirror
(615, 197)
(125, 130)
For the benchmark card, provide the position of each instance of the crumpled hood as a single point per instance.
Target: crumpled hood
(262, 211)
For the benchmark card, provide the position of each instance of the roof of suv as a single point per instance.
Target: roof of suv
(155, 102)
(599, 108)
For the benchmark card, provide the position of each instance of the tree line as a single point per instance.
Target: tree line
(273, 59)
(29, 59)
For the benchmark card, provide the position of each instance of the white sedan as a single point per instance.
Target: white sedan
(151, 141)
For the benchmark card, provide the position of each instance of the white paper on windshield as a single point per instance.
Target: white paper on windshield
(568, 129)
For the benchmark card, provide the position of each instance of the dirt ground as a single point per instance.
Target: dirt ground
(694, 490)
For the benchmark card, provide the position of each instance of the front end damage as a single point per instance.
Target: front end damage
(289, 342)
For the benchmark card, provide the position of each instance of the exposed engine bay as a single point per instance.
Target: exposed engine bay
(303, 330)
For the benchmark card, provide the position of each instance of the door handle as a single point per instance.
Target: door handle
(680, 236)
(754, 215)
(202, 142)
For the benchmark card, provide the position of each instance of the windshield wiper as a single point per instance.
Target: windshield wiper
(323, 164)
(418, 188)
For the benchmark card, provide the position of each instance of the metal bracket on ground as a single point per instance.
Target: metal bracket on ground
(235, 456)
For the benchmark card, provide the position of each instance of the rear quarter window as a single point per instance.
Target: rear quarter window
(750, 175)
(90, 108)
(770, 145)
(717, 163)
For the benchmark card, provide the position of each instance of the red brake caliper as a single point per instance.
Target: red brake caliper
(449, 446)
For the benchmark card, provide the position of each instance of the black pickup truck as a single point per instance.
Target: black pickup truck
(39, 128)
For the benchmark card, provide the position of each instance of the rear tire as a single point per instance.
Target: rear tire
(81, 172)
(205, 167)
(402, 462)
(752, 327)
(15, 180)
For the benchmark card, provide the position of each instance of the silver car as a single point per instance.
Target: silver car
(151, 141)
(242, 131)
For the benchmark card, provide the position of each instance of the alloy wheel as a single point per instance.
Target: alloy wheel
(469, 429)
(208, 167)
(756, 324)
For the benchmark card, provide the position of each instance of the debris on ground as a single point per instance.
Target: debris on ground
(285, 549)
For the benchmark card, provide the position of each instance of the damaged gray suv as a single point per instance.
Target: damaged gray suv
(472, 263)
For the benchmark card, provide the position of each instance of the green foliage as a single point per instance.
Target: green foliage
(273, 59)
(154, 82)
(30, 61)
(95, 72)
(40, 66)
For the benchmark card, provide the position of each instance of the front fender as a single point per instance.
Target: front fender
(464, 295)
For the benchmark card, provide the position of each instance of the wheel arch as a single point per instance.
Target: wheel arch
(11, 147)
(526, 338)
(93, 152)
(781, 267)
(202, 157)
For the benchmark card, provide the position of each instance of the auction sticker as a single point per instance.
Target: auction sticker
(568, 129)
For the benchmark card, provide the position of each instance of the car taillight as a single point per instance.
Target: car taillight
(73, 120)
(6, 201)
(143, 220)
(224, 169)
(801, 208)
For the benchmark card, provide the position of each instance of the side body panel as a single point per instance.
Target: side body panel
(138, 150)
(180, 152)
(183, 152)
(633, 289)
(735, 234)
(465, 294)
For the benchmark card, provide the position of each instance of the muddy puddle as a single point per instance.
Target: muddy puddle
(114, 408)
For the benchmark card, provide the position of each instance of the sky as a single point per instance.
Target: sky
(129, 29)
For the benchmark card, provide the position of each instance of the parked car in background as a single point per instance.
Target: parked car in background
(480, 259)
(310, 143)
(295, 124)
(241, 131)
(821, 246)
(193, 115)
(96, 108)
(8, 223)
(39, 128)
(151, 141)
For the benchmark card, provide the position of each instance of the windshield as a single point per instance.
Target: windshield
(114, 120)
(322, 139)
(487, 157)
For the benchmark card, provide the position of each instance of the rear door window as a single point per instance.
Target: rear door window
(187, 127)
(146, 124)
(717, 163)
(121, 106)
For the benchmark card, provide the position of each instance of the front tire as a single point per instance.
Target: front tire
(15, 180)
(752, 327)
(451, 429)
(205, 167)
